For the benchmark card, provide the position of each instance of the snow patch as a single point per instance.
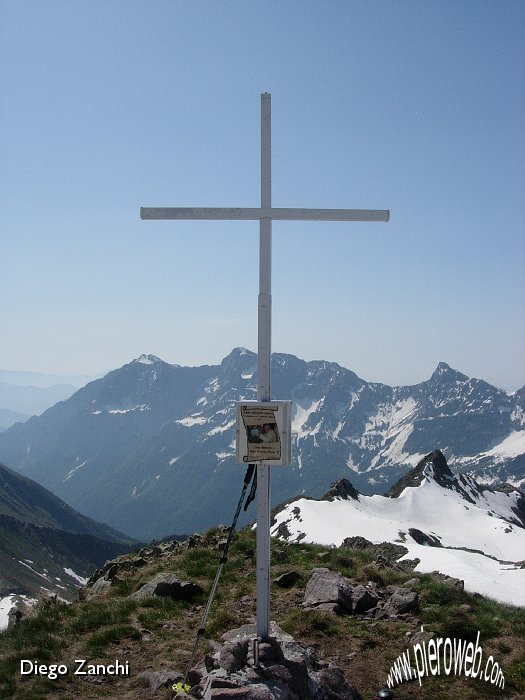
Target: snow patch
(512, 446)
(221, 428)
(7, 603)
(141, 407)
(192, 420)
(301, 411)
(75, 469)
(81, 579)
(148, 359)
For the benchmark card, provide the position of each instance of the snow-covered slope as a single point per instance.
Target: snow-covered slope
(449, 523)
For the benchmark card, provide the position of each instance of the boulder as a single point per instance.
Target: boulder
(327, 586)
(100, 586)
(332, 679)
(287, 580)
(401, 600)
(169, 586)
(363, 599)
(14, 616)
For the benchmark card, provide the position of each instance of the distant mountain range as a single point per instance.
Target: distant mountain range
(45, 546)
(44, 381)
(18, 403)
(25, 394)
(149, 448)
(448, 522)
(9, 418)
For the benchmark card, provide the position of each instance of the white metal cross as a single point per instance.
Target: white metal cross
(265, 214)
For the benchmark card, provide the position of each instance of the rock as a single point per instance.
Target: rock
(160, 679)
(357, 542)
(363, 599)
(383, 563)
(388, 551)
(287, 580)
(450, 580)
(14, 616)
(269, 651)
(401, 601)
(138, 562)
(169, 586)
(233, 655)
(333, 680)
(341, 489)
(279, 674)
(194, 541)
(100, 586)
(195, 675)
(424, 538)
(223, 682)
(325, 586)
(245, 692)
(284, 670)
(300, 682)
(411, 583)
(332, 608)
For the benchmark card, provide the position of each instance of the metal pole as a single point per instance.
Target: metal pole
(264, 371)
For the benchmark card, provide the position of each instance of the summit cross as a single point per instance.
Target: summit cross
(265, 214)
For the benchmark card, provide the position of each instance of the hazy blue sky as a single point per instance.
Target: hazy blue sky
(413, 106)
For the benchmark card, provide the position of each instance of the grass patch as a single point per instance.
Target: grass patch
(99, 612)
(155, 611)
(97, 643)
(199, 563)
(223, 620)
(303, 623)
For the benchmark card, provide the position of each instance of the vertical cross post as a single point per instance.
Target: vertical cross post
(264, 356)
(265, 214)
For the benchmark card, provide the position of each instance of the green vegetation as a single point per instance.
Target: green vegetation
(158, 633)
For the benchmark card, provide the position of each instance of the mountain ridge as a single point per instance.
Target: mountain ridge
(149, 448)
(479, 532)
(46, 546)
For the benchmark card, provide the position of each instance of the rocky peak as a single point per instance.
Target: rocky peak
(436, 466)
(238, 361)
(433, 465)
(341, 489)
(146, 359)
(445, 373)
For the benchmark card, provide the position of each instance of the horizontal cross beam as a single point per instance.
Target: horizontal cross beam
(257, 213)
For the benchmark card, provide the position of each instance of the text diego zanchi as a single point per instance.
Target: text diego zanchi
(82, 668)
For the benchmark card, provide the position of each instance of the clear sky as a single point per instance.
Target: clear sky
(417, 106)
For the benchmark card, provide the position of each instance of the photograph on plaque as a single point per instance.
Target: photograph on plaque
(262, 434)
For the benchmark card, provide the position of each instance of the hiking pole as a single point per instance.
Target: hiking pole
(224, 559)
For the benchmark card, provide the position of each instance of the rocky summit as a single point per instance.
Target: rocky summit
(341, 618)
